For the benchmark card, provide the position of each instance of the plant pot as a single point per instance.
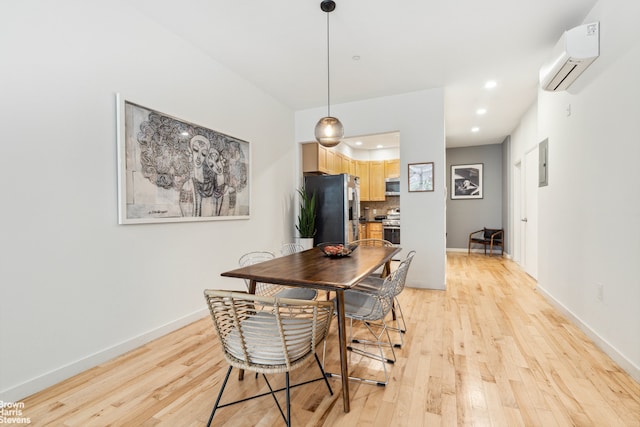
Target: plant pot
(306, 242)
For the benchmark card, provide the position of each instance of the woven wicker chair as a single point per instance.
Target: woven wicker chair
(268, 335)
(373, 284)
(291, 248)
(270, 289)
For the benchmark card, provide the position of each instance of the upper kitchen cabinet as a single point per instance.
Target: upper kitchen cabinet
(392, 168)
(314, 158)
(362, 171)
(333, 162)
(342, 164)
(376, 180)
(319, 159)
(372, 173)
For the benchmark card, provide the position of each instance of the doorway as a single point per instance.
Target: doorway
(529, 214)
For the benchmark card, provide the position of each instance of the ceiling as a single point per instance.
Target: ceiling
(381, 48)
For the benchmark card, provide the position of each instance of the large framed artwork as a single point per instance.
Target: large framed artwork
(171, 170)
(466, 181)
(420, 176)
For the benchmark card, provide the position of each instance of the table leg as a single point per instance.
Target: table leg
(386, 270)
(252, 290)
(342, 337)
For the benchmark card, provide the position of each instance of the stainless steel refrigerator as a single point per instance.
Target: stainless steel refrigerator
(338, 207)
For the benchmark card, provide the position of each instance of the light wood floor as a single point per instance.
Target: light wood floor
(488, 351)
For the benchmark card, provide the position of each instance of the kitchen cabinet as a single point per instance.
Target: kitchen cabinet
(319, 159)
(314, 158)
(392, 168)
(352, 167)
(374, 230)
(376, 180)
(341, 163)
(331, 161)
(345, 165)
(362, 230)
(362, 171)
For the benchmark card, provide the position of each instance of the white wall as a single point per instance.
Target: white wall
(419, 116)
(77, 288)
(589, 213)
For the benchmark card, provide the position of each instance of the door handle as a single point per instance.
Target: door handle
(524, 220)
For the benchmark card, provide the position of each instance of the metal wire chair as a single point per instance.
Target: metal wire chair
(373, 242)
(371, 307)
(291, 248)
(382, 271)
(372, 283)
(268, 335)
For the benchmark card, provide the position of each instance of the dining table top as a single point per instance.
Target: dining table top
(312, 268)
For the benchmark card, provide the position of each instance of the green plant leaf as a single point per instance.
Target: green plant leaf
(307, 217)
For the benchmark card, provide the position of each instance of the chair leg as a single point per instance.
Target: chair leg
(273, 393)
(381, 356)
(397, 311)
(324, 374)
(224, 384)
(288, 420)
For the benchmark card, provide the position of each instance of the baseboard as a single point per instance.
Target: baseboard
(478, 251)
(625, 364)
(55, 376)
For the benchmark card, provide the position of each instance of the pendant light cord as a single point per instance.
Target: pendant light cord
(328, 73)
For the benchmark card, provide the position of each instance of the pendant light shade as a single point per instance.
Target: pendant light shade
(329, 130)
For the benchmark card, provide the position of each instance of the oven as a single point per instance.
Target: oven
(391, 233)
(391, 226)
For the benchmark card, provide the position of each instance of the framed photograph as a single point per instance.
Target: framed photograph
(421, 176)
(171, 170)
(466, 181)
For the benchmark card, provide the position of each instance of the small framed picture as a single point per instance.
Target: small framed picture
(466, 181)
(421, 176)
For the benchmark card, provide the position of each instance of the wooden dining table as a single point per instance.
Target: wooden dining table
(313, 269)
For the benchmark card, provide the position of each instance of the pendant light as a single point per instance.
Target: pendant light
(329, 131)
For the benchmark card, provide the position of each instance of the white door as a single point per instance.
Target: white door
(517, 228)
(529, 215)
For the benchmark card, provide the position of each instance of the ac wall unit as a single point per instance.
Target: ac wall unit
(574, 52)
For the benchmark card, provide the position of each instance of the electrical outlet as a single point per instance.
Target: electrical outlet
(600, 291)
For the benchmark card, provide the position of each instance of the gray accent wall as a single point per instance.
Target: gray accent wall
(467, 215)
(506, 192)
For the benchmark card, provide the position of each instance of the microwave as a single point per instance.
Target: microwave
(392, 187)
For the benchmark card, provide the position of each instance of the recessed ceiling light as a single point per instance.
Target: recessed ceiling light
(475, 129)
(481, 111)
(490, 84)
(358, 142)
(379, 146)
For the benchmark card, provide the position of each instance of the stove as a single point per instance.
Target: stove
(391, 223)
(391, 226)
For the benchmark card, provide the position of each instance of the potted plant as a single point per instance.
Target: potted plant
(307, 218)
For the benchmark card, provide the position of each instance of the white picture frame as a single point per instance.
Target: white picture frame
(466, 181)
(171, 170)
